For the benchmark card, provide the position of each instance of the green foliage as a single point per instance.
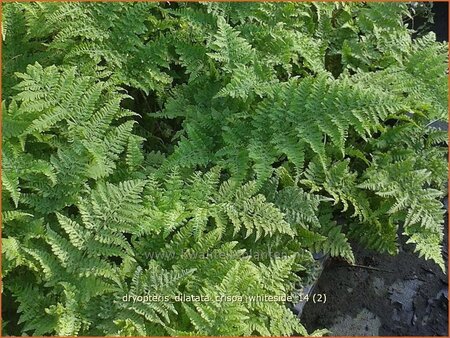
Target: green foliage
(209, 150)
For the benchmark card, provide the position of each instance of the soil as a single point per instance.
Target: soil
(440, 25)
(387, 295)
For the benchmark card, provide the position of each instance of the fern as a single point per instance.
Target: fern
(209, 149)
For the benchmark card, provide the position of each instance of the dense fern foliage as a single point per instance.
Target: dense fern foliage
(157, 151)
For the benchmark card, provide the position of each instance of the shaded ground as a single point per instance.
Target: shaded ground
(393, 295)
(440, 26)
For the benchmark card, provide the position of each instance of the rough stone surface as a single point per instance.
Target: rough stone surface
(364, 324)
